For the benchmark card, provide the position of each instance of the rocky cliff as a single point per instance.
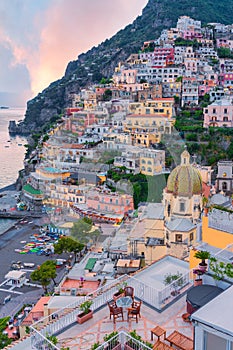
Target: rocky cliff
(100, 61)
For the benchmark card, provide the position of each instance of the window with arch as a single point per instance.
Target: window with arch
(224, 186)
(143, 168)
(143, 161)
(149, 162)
(149, 170)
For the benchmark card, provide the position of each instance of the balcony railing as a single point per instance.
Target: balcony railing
(121, 340)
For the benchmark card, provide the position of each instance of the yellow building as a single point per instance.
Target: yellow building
(152, 162)
(65, 195)
(147, 237)
(148, 122)
(90, 102)
(157, 106)
(144, 138)
(217, 232)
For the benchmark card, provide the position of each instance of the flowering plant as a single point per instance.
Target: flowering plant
(198, 272)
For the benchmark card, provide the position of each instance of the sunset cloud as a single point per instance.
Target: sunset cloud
(41, 37)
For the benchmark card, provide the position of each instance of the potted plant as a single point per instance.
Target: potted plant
(96, 346)
(175, 280)
(120, 292)
(218, 268)
(113, 340)
(199, 273)
(205, 202)
(86, 313)
(135, 341)
(203, 255)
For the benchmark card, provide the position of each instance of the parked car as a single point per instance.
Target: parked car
(28, 264)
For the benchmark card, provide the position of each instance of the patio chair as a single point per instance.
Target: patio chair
(115, 311)
(129, 292)
(134, 311)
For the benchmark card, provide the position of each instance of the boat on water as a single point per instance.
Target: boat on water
(4, 107)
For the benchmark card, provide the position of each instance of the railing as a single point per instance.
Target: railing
(170, 292)
(123, 340)
(41, 342)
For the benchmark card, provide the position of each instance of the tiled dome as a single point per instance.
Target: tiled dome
(184, 180)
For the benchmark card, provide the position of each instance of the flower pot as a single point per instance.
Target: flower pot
(197, 282)
(129, 346)
(118, 295)
(81, 318)
(186, 317)
(202, 267)
(113, 347)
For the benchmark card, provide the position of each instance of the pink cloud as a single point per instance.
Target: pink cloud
(72, 27)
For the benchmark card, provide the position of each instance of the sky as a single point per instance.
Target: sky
(39, 37)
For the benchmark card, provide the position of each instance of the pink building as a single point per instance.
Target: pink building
(219, 114)
(226, 80)
(224, 42)
(191, 34)
(206, 87)
(161, 56)
(108, 202)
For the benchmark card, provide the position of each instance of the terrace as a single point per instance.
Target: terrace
(161, 309)
(165, 307)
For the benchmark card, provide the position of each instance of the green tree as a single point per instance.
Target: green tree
(68, 245)
(107, 95)
(45, 273)
(83, 232)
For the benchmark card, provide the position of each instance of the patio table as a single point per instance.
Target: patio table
(158, 331)
(180, 340)
(124, 302)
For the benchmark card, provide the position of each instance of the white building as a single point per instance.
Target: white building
(213, 323)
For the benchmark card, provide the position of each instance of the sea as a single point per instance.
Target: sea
(12, 153)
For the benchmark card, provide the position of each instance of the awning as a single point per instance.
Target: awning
(90, 264)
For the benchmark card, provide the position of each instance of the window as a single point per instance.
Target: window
(143, 161)
(178, 238)
(191, 236)
(213, 342)
(182, 206)
(149, 170)
(214, 110)
(224, 186)
(149, 162)
(225, 110)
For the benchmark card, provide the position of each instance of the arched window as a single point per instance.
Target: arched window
(143, 168)
(149, 162)
(149, 170)
(224, 186)
(143, 161)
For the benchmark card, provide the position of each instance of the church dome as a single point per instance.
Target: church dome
(185, 179)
